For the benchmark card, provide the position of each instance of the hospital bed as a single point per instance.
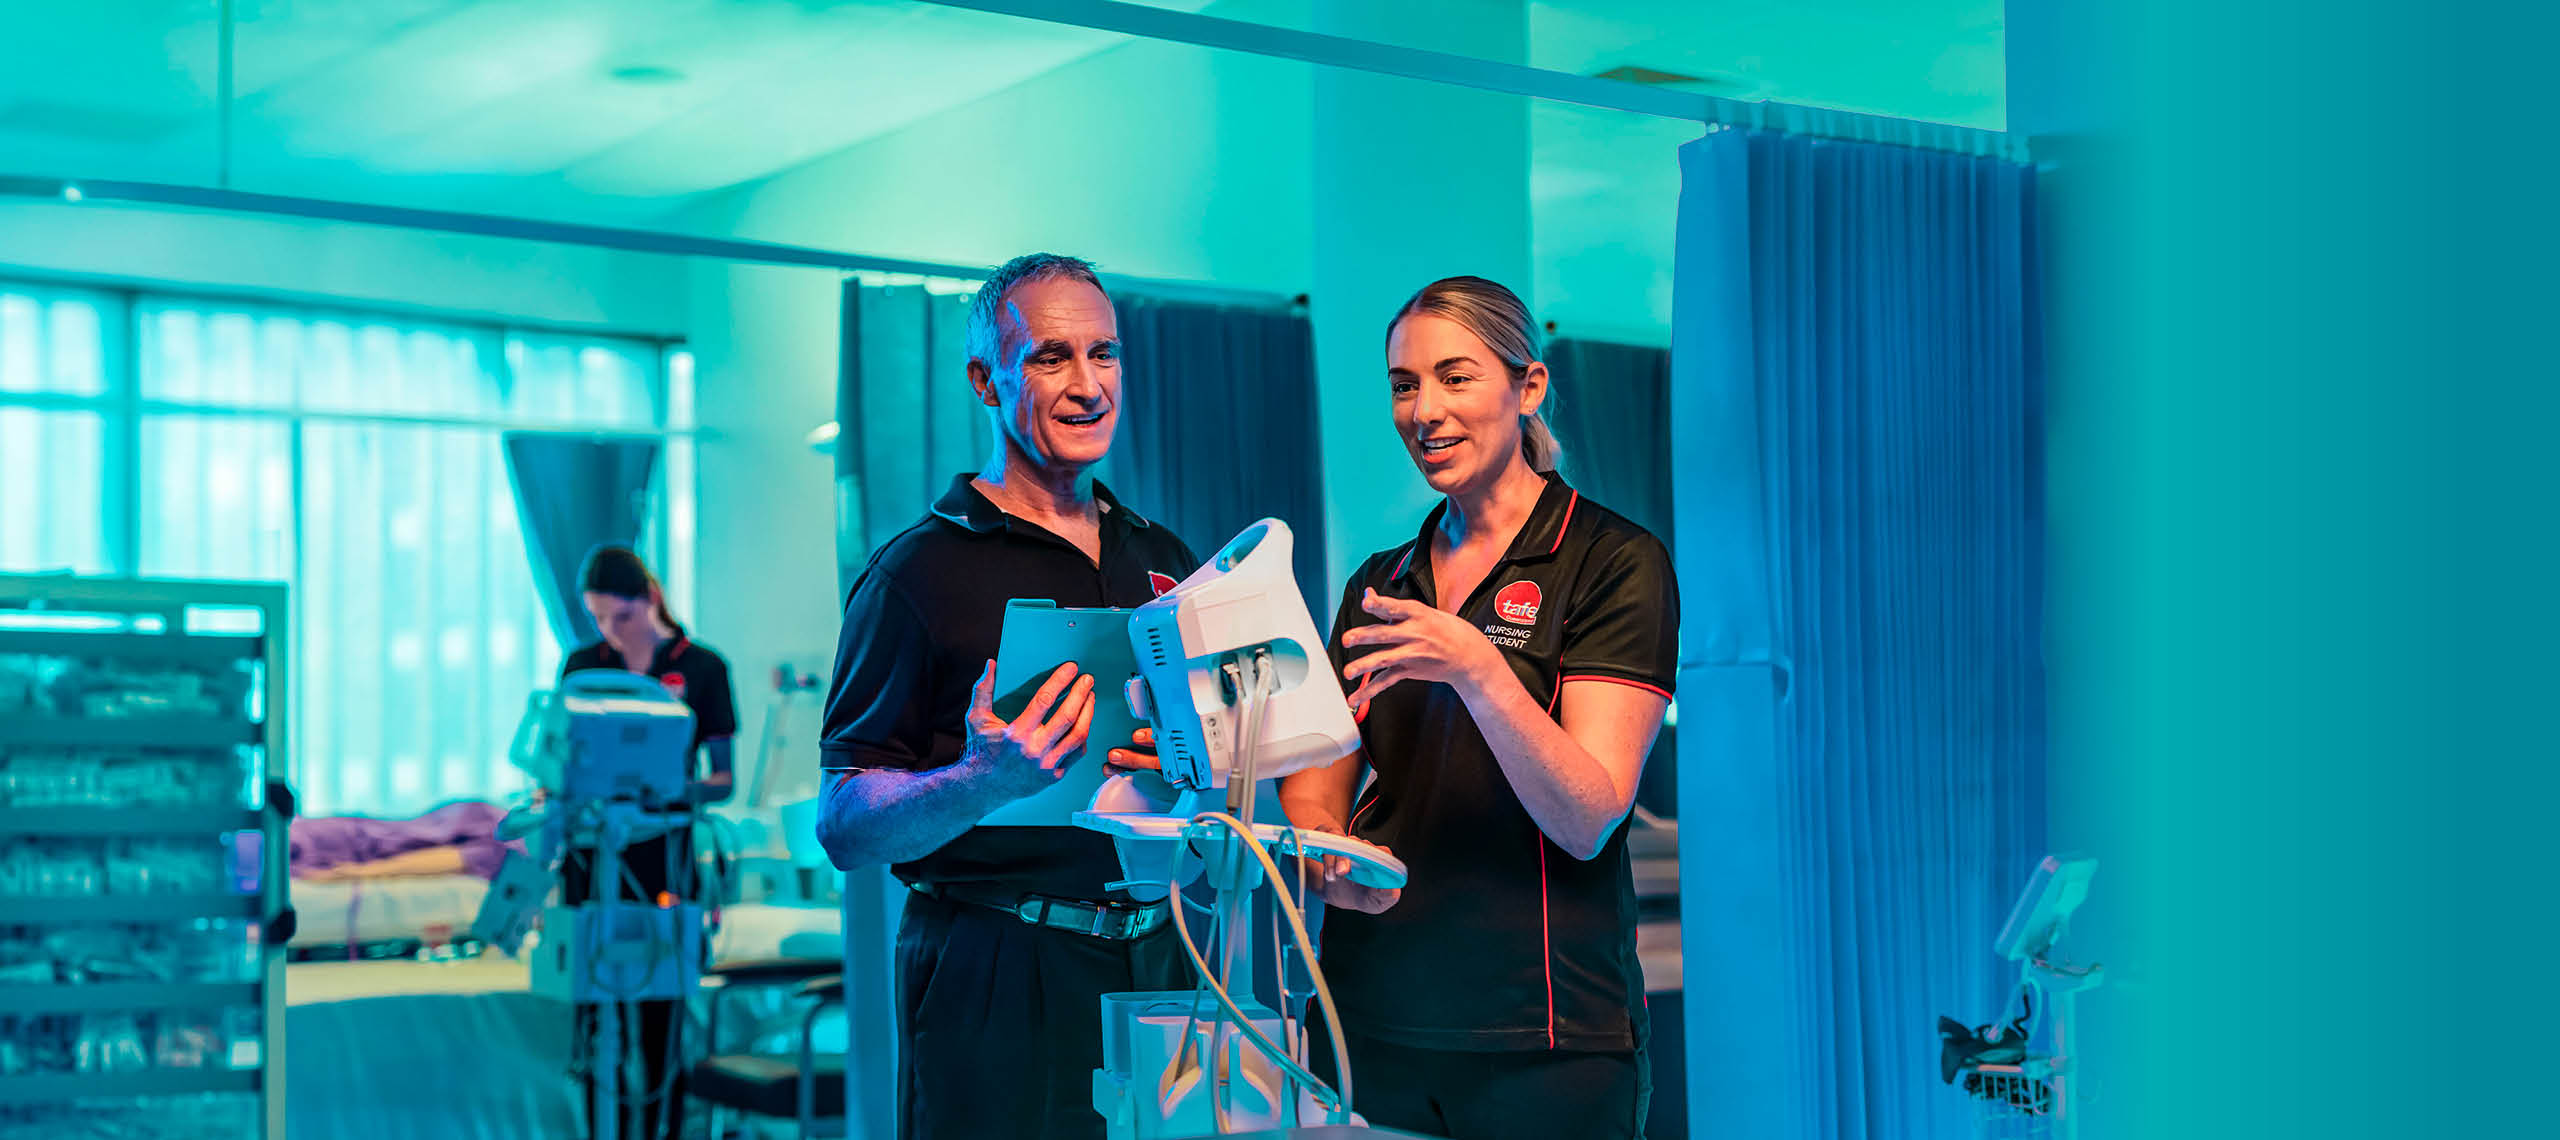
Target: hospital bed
(358, 918)
(463, 1049)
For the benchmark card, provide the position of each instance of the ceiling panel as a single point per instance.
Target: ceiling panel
(867, 81)
(515, 105)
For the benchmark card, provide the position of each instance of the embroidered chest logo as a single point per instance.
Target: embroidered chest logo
(1518, 603)
(1162, 584)
(674, 683)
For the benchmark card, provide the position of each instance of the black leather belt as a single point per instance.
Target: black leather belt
(1118, 922)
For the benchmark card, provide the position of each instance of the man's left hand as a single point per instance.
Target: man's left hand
(1140, 754)
(1415, 642)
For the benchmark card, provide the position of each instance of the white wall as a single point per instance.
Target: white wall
(396, 268)
(1152, 159)
(1604, 199)
(1414, 182)
(764, 344)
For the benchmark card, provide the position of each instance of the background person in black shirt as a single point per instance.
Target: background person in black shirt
(1512, 666)
(639, 634)
(1012, 933)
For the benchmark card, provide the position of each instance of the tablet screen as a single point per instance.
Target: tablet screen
(1038, 637)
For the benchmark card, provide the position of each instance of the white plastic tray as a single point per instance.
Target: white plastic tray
(1371, 866)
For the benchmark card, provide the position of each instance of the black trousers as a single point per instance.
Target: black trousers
(1002, 1020)
(653, 1076)
(1518, 1095)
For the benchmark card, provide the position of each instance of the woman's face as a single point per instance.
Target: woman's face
(629, 625)
(1455, 403)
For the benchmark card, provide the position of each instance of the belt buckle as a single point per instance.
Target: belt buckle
(1033, 910)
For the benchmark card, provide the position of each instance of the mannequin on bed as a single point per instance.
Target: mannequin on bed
(455, 839)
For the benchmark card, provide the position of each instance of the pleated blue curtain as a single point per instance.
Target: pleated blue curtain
(574, 495)
(1218, 428)
(906, 422)
(906, 418)
(1610, 406)
(1859, 498)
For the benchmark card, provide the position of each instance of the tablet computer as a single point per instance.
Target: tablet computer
(1038, 637)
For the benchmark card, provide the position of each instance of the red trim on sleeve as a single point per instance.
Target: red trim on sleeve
(1546, 932)
(1546, 940)
(1653, 689)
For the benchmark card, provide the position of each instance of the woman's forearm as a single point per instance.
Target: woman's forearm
(1318, 799)
(1566, 790)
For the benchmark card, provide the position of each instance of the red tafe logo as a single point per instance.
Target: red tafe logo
(1163, 584)
(674, 683)
(1518, 603)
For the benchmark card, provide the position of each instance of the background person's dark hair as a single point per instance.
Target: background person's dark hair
(986, 309)
(616, 571)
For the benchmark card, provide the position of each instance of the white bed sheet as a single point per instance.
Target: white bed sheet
(754, 931)
(340, 911)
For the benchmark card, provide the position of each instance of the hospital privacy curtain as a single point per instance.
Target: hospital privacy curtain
(1218, 428)
(1856, 388)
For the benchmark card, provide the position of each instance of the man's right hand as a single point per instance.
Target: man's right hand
(1023, 756)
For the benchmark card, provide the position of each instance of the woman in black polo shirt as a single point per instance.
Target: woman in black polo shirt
(630, 610)
(1512, 664)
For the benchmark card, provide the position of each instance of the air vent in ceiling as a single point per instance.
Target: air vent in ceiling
(647, 75)
(1729, 86)
(1630, 73)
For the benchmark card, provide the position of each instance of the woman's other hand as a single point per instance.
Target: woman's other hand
(1333, 875)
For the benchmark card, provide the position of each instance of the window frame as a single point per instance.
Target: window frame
(122, 405)
(670, 526)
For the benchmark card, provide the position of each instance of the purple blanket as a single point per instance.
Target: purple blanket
(332, 841)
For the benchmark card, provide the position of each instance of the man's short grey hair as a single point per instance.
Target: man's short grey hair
(986, 310)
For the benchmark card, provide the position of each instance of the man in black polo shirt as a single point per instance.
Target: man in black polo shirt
(1012, 933)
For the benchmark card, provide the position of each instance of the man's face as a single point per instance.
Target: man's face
(1056, 383)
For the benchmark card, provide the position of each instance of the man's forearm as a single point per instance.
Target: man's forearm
(889, 815)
